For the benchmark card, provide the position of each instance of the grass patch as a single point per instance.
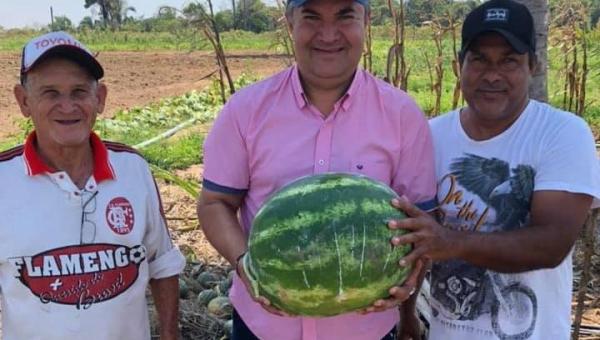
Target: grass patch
(179, 153)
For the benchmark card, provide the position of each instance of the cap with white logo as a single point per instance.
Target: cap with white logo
(60, 44)
(508, 18)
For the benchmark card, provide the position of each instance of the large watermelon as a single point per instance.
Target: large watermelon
(320, 246)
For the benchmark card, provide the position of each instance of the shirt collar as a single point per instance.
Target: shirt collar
(345, 101)
(36, 166)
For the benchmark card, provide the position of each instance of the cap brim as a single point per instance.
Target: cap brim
(516, 44)
(299, 3)
(75, 54)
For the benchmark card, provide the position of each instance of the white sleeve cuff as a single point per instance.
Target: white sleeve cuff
(168, 264)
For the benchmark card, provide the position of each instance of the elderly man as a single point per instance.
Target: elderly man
(82, 231)
(321, 115)
(516, 179)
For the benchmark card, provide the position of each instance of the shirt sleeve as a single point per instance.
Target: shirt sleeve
(569, 162)
(415, 174)
(226, 166)
(164, 258)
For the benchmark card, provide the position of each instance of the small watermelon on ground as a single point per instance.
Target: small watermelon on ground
(207, 279)
(183, 289)
(320, 246)
(206, 296)
(220, 306)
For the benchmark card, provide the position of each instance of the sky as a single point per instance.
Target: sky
(36, 13)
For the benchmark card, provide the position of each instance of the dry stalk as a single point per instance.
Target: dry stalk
(588, 241)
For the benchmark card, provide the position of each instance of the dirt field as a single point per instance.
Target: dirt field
(138, 78)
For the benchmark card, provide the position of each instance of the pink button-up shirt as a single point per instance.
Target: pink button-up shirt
(268, 134)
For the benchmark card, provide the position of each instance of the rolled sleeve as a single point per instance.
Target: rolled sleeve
(168, 264)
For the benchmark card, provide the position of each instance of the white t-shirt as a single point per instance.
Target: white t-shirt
(75, 264)
(487, 186)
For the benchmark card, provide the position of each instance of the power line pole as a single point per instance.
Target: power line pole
(51, 18)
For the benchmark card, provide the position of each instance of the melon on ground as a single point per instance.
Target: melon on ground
(320, 246)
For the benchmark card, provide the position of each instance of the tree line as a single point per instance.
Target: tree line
(256, 16)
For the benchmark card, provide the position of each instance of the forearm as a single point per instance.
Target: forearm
(165, 293)
(222, 229)
(529, 248)
(409, 305)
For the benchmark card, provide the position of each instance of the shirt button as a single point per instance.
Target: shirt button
(321, 162)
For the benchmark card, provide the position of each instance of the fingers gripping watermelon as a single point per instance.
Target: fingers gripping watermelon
(320, 246)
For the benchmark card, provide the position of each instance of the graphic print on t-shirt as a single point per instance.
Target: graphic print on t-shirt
(80, 275)
(484, 194)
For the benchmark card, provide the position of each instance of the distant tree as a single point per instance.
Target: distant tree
(224, 20)
(255, 16)
(419, 11)
(113, 12)
(61, 23)
(86, 23)
(380, 12)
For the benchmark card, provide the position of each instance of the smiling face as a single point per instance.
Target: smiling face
(328, 38)
(62, 99)
(495, 80)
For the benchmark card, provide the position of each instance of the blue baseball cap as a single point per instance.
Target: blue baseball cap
(298, 3)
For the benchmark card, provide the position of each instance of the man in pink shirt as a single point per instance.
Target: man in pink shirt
(321, 115)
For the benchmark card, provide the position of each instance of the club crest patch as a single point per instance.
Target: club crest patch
(120, 216)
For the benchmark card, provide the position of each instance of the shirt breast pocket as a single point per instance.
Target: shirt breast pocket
(378, 169)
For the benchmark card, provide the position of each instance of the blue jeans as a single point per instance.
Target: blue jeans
(242, 332)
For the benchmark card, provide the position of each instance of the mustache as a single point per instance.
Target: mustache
(492, 87)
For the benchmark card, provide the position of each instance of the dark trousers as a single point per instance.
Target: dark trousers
(242, 332)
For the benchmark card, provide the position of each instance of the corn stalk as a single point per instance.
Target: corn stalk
(572, 25)
(284, 36)
(396, 70)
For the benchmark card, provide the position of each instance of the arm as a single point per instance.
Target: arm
(410, 326)
(217, 213)
(165, 293)
(556, 220)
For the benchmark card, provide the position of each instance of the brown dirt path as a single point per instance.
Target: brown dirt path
(139, 78)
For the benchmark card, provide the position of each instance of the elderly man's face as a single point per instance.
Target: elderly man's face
(495, 79)
(63, 100)
(328, 37)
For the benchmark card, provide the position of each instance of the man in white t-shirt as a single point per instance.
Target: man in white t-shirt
(516, 178)
(82, 232)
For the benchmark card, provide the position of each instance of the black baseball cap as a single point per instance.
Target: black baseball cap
(59, 44)
(298, 3)
(508, 18)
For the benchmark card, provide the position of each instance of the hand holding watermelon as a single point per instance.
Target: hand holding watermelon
(430, 240)
(263, 301)
(399, 293)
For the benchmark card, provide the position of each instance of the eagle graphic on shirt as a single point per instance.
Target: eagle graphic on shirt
(508, 191)
(462, 291)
